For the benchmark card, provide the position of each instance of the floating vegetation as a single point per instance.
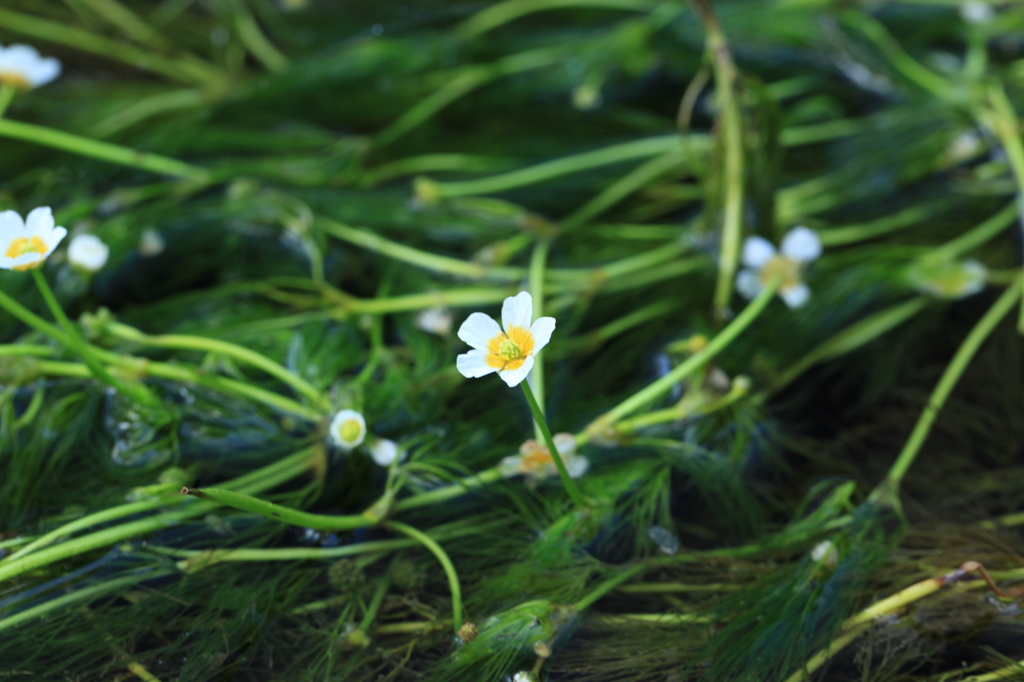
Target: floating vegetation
(749, 275)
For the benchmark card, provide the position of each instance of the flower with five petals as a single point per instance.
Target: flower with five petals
(509, 352)
(25, 244)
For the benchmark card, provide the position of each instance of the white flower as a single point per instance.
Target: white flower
(151, 243)
(348, 429)
(826, 554)
(23, 67)
(383, 451)
(26, 244)
(800, 246)
(947, 278)
(976, 12)
(510, 353)
(88, 252)
(534, 460)
(435, 321)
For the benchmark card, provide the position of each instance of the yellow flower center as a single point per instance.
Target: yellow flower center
(16, 79)
(350, 430)
(510, 351)
(780, 266)
(22, 245)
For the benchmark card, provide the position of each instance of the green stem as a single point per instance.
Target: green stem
(693, 363)
(913, 70)
(538, 416)
(504, 12)
(375, 602)
(566, 165)
(538, 261)
(186, 342)
(255, 482)
(462, 487)
(964, 354)
(7, 93)
(465, 81)
(609, 585)
(851, 338)
(94, 520)
(452, 266)
(287, 515)
(977, 236)
(732, 170)
(185, 68)
(256, 42)
(84, 594)
(636, 179)
(103, 151)
(446, 564)
(135, 391)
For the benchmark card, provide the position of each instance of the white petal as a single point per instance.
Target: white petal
(757, 251)
(577, 466)
(796, 295)
(383, 451)
(541, 332)
(478, 329)
(975, 276)
(30, 258)
(517, 310)
(338, 432)
(11, 227)
(39, 222)
(801, 244)
(748, 284)
(53, 238)
(474, 364)
(513, 377)
(88, 252)
(44, 71)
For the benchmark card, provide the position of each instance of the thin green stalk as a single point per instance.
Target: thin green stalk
(96, 519)
(890, 486)
(7, 93)
(452, 266)
(130, 23)
(1007, 128)
(538, 416)
(461, 487)
(977, 236)
(276, 512)
(465, 81)
(136, 391)
(26, 349)
(851, 338)
(914, 71)
(731, 123)
(375, 602)
(143, 108)
(538, 261)
(84, 594)
(103, 151)
(201, 343)
(575, 163)
(851, 234)
(609, 585)
(510, 10)
(638, 178)
(690, 365)
(256, 42)
(446, 564)
(30, 413)
(426, 163)
(255, 482)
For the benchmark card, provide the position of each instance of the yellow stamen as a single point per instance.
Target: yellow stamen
(15, 79)
(779, 265)
(350, 430)
(509, 351)
(22, 245)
